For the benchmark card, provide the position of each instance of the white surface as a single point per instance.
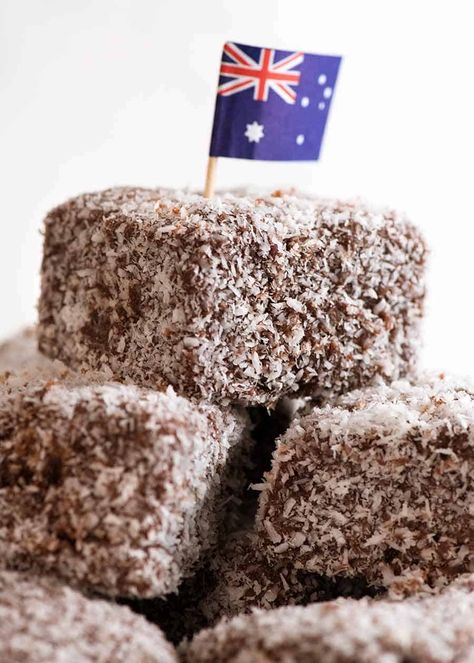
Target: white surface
(122, 91)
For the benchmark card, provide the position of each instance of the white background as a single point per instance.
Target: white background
(103, 92)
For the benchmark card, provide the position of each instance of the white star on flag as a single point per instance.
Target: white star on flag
(254, 132)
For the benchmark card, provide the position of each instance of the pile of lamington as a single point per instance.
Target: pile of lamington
(224, 430)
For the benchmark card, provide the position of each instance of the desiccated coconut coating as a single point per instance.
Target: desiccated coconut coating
(241, 579)
(236, 579)
(18, 350)
(42, 621)
(434, 629)
(233, 299)
(21, 364)
(114, 488)
(380, 485)
(20, 353)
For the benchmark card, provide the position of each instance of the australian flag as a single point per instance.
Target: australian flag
(272, 105)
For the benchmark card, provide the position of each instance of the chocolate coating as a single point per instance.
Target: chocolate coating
(42, 621)
(239, 299)
(433, 629)
(242, 579)
(114, 488)
(379, 485)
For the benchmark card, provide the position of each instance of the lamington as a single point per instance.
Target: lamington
(430, 629)
(379, 485)
(238, 579)
(238, 299)
(19, 354)
(42, 621)
(241, 579)
(114, 488)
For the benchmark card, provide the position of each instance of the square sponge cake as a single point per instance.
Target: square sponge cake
(43, 621)
(236, 299)
(113, 488)
(378, 485)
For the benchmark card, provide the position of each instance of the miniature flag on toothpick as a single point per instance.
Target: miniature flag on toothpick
(271, 105)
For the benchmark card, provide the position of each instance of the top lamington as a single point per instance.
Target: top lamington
(237, 299)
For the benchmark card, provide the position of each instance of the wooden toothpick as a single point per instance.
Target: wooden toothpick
(210, 177)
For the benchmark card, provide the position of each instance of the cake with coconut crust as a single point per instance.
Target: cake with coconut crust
(42, 621)
(242, 579)
(236, 299)
(114, 488)
(379, 485)
(433, 629)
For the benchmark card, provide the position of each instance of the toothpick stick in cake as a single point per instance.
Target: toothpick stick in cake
(271, 105)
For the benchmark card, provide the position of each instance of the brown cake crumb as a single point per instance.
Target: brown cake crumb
(114, 488)
(380, 485)
(42, 621)
(434, 629)
(230, 300)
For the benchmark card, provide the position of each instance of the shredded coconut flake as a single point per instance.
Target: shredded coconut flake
(276, 294)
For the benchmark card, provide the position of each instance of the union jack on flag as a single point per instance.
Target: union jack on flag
(271, 104)
(262, 76)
